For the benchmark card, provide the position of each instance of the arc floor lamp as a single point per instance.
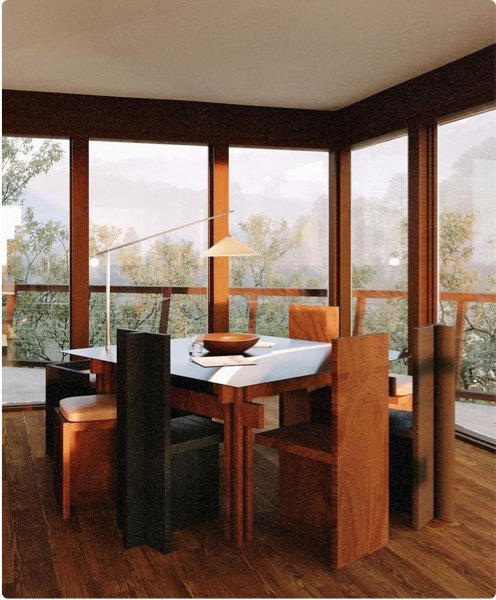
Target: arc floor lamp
(228, 246)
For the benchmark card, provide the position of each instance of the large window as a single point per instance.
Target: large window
(380, 240)
(35, 265)
(467, 246)
(36, 180)
(280, 199)
(137, 190)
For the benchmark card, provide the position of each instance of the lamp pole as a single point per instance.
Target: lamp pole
(107, 298)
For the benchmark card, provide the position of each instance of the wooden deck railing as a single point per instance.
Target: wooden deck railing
(462, 299)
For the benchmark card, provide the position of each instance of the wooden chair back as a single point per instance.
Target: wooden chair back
(317, 324)
(422, 442)
(314, 323)
(333, 482)
(359, 439)
(63, 379)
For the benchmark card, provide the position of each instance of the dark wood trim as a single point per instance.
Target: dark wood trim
(104, 117)
(459, 86)
(340, 239)
(22, 407)
(79, 291)
(422, 226)
(475, 441)
(218, 268)
(476, 395)
(29, 364)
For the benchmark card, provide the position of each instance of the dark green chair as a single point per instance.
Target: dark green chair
(167, 468)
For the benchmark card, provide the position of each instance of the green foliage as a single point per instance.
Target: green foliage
(456, 250)
(39, 254)
(166, 263)
(17, 171)
(361, 276)
(272, 240)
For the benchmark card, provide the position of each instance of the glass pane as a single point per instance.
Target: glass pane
(379, 240)
(280, 199)
(467, 247)
(35, 262)
(138, 190)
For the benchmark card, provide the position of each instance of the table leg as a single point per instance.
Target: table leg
(106, 376)
(248, 483)
(232, 400)
(227, 489)
(237, 467)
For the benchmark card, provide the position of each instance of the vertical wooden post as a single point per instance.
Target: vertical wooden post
(422, 227)
(444, 422)
(218, 268)
(422, 345)
(359, 315)
(8, 319)
(164, 309)
(461, 313)
(252, 314)
(79, 290)
(340, 238)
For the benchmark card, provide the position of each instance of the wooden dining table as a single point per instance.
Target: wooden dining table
(289, 368)
(228, 393)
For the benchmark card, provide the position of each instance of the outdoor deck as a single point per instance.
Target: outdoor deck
(22, 386)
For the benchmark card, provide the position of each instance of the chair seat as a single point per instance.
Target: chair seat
(400, 385)
(193, 427)
(400, 420)
(101, 407)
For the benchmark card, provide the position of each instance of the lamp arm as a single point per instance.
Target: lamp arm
(149, 237)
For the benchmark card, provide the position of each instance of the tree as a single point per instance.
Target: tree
(165, 263)
(272, 240)
(39, 253)
(18, 172)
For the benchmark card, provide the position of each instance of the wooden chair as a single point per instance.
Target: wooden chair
(424, 437)
(62, 380)
(84, 450)
(400, 391)
(168, 469)
(314, 323)
(317, 324)
(333, 482)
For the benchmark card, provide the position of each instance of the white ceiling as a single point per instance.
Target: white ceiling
(321, 54)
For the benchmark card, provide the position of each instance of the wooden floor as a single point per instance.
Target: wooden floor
(46, 557)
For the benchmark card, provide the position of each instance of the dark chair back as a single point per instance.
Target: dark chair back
(168, 470)
(63, 380)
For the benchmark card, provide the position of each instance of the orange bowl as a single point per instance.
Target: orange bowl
(229, 343)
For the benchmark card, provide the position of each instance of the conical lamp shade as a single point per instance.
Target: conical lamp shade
(229, 246)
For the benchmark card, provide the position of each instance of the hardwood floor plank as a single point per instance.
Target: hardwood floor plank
(441, 568)
(475, 556)
(408, 579)
(7, 537)
(83, 557)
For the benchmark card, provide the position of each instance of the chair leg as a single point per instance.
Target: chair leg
(66, 470)
(62, 436)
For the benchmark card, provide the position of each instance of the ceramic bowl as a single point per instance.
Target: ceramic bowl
(229, 343)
